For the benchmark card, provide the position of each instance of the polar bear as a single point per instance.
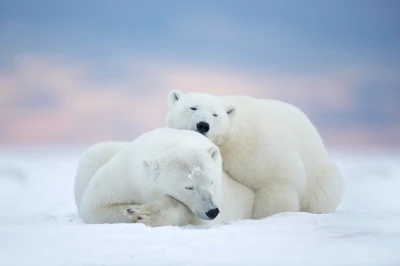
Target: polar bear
(268, 145)
(164, 177)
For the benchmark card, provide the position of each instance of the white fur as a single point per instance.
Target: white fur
(146, 181)
(270, 146)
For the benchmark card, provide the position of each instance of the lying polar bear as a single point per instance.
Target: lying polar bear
(267, 145)
(164, 177)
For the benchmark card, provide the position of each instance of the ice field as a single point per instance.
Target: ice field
(38, 223)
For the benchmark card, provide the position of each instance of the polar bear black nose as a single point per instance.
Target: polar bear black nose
(212, 213)
(203, 127)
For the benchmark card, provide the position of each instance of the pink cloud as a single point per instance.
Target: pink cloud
(87, 106)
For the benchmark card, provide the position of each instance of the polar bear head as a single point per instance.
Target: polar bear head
(200, 112)
(191, 176)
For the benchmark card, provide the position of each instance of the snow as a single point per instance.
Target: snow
(38, 223)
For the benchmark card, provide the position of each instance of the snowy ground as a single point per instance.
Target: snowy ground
(38, 224)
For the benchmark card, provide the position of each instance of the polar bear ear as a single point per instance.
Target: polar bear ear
(152, 166)
(214, 152)
(231, 110)
(174, 96)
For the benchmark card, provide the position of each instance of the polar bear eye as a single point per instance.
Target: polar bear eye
(189, 188)
(215, 115)
(193, 108)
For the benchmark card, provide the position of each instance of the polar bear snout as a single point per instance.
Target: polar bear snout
(203, 127)
(212, 213)
(205, 208)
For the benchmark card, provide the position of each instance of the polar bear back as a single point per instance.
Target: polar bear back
(279, 120)
(155, 141)
(91, 161)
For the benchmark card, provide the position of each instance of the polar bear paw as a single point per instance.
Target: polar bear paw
(147, 214)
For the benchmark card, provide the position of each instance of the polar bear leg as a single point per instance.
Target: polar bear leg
(325, 193)
(114, 213)
(163, 211)
(269, 201)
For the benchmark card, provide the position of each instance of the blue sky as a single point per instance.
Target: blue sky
(281, 35)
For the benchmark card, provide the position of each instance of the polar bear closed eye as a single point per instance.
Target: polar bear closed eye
(267, 145)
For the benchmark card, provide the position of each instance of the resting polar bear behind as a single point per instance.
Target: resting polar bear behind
(164, 177)
(270, 146)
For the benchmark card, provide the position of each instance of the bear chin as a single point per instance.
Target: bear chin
(204, 134)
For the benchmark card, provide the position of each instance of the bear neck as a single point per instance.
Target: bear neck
(224, 142)
(236, 141)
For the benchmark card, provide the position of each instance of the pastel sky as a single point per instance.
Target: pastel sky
(87, 71)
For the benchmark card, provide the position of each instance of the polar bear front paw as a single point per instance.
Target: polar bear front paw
(145, 214)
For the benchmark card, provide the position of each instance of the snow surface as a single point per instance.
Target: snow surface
(38, 223)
